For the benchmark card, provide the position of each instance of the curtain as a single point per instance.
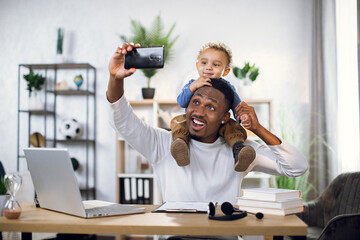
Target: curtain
(323, 127)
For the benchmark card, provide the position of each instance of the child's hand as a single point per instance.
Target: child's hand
(198, 83)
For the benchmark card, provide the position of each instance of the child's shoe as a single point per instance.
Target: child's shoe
(180, 151)
(243, 155)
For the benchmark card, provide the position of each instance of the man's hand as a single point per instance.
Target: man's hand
(250, 121)
(116, 65)
(247, 116)
(118, 72)
(200, 82)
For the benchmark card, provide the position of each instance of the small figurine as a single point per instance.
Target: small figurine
(62, 86)
(78, 80)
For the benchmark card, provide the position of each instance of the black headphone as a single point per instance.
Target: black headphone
(228, 209)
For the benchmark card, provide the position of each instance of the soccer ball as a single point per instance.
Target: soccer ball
(70, 129)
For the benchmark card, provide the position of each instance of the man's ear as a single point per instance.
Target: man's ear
(226, 71)
(197, 63)
(226, 118)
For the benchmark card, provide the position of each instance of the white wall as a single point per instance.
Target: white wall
(276, 35)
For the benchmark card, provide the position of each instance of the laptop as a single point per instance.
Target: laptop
(57, 188)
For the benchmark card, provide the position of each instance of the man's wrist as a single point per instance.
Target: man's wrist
(265, 135)
(115, 89)
(259, 130)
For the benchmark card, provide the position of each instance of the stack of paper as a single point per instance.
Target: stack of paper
(271, 201)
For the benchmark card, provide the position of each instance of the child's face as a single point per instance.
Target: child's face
(212, 64)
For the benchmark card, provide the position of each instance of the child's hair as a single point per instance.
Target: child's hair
(218, 46)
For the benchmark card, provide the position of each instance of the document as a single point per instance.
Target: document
(191, 207)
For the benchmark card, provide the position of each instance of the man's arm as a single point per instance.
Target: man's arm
(152, 143)
(118, 72)
(279, 158)
(250, 121)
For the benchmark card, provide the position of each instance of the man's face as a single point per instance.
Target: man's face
(205, 112)
(212, 63)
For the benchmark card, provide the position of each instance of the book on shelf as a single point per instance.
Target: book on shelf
(281, 204)
(270, 194)
(273, 211)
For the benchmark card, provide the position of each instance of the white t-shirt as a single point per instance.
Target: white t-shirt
(210, 176)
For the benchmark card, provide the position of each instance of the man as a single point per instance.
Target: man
(210, 175)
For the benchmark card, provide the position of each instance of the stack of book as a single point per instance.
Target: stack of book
(271, 201)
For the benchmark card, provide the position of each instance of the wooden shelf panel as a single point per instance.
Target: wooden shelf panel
(59, 66)
(38, 112)
(72, 141)
(72, 92)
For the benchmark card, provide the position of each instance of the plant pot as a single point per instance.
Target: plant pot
(3, 199)
(59, 58)
(148, 93)
(35, 104)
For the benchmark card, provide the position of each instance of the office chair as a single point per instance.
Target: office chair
(336, 212)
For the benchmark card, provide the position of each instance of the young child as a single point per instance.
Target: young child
(213, 62)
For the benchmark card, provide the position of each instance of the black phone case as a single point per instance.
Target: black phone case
(145, 57)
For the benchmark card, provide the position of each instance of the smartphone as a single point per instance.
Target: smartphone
(145, 57)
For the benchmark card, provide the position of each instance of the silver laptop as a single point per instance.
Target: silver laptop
(57, 188)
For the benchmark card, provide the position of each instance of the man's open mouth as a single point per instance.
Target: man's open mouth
(197, 124)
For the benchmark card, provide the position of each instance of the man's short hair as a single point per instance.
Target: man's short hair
(224, 87)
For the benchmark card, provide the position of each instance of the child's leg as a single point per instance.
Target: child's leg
(235, 136)
(180, 134)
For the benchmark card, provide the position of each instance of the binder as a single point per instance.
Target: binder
(136, 190)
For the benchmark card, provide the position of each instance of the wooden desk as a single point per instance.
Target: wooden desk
(34, 219)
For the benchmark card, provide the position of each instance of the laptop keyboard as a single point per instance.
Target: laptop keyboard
(114, 209)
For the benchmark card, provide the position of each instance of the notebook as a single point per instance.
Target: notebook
(57, 188)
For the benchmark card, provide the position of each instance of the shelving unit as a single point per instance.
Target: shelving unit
(46, 121)
(157, 113)
(152, 112)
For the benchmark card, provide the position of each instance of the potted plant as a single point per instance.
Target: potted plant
(154, 36)
(3, 196)
(247, 72)
(34, 84)
(59, 45)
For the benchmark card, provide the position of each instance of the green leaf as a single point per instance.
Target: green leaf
(2, 186)
(237, 72)
(246, 67)
(247, 71)
(149, 73)
(253, 75)
(34, 81)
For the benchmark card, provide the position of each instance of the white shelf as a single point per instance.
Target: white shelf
(152, 112)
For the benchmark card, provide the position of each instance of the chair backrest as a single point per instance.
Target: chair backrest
(344, 226)
(342, 196)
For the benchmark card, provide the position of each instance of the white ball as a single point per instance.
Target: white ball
(70, 128)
